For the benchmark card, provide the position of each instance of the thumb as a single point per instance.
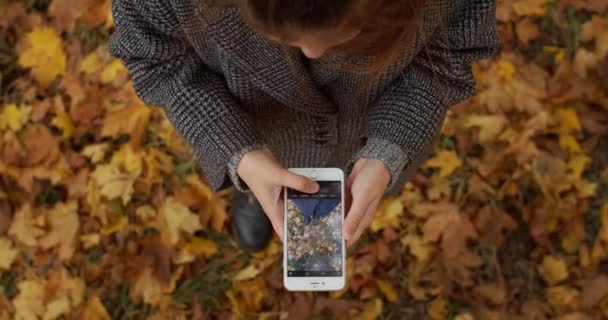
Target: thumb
(298, 182)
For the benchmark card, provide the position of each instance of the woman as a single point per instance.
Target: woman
(257, 86)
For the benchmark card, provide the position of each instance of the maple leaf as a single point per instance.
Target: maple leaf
(490, 125)
(530, 7)
(388, 290)
(563, 297)
(131, 120)
(387, 214)
(29, 301)
(13, 117)
(45, 56)
(111, 71)
(95, 310)
(453, 228)
(438, 309)
(24, 227)
(446, 161)
(113, 182)
(200, 247)
(63, 121)
(372, 310)
(8, 254)
(91, 63)
(63, 220)
(174, 218)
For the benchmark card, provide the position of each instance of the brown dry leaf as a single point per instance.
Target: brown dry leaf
(563, 297)
(131, 120)
(492, 223)
(490, 125)
(593, 291)
(574, 316)
(527, 30)
(492, 292)
(595, 29)
(454, 229)
(41, 146)
(247, 273)
(438, 309)
(66, 12)
(63, 221)
(147, 288)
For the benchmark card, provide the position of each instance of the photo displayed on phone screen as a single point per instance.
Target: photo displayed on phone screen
(314, 232)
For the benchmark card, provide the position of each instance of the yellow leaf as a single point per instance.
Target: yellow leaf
(464, 316)
(388, 290)
(236, 306)
(438, 309)
(119, 225)
(95, 310)
(568, 120)
(490, 125)
(387, 214)
(604, 214)
(95, 152)
(372, 310)
(24, 228)
(63, 121)
(562, 297)
(90, 240)
(13, 117)
(198, 246)
(130, 160)
(554, 269)
(111, 71)
(174, 218)
(113, 182)
(44, 56)
(63, 220)
(569, 143)
(249, 272)
(148, 288)
(417, 247)
(506, 70)
(56, 308)
(578, 163)
(446, 161)
(7, 253)
(530, 7)
(91, 63)
(29, 302)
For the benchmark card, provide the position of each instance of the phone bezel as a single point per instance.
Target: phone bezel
(315, 283)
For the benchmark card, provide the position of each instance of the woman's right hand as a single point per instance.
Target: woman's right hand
(266, 177)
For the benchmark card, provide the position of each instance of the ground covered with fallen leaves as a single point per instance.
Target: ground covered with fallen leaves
(104, 216)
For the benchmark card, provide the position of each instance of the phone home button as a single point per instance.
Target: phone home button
(314, 174)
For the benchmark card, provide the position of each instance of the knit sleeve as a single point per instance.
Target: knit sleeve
(411, 112)
(167, 72)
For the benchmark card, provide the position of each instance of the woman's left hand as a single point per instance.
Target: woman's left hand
(365, 186)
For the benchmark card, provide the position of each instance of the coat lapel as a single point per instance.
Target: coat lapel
(284, 78)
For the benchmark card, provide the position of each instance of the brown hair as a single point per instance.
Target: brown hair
(387, 26)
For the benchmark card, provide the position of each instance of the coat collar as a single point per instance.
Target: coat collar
(284, 78)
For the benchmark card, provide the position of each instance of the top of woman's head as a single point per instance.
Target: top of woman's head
(378, 28)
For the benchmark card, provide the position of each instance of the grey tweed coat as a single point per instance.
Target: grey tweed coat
(228, 90)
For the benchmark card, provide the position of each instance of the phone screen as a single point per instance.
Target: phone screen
(314, 231)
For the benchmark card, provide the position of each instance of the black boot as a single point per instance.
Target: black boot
(250, 225)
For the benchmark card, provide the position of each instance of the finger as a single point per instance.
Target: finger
(298, 182)
(366, 222)
(273, 207)
(355, 216)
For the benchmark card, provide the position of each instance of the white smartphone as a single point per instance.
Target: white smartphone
(313, 246)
